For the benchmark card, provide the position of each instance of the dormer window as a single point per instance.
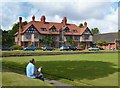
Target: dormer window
(53, 29)
(43, 29)
(66, 29)
(74, 30)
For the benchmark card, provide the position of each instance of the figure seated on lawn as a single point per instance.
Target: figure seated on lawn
(32, 72)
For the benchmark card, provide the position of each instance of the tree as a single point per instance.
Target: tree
(8, 36)
(95, 31)
(48, 40)
(81, 25)
(16, 27)
(102, 43)
(70, 41)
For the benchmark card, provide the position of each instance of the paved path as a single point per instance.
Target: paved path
(57, 83)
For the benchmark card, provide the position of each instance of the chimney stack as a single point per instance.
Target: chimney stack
(19, 31)
(20, 19)
(33, 18)
(85, 24)
(20, 23)
(64, 21)
(43, 19)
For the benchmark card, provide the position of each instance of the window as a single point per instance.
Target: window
(68, 37)
(76, 37)
(86, 37)
(54, 37)
(66, 29)
(28, 36)
(74, 31)
(43, 29)
(53, 30)
(36, 36)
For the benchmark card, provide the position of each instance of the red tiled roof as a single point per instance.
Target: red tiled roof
(38, 25)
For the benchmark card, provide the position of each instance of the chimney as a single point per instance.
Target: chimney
(33, 18)
(85, 24)
(20, 19)
(19, 31)
(43, 19)
(20, 23)
(64, 21)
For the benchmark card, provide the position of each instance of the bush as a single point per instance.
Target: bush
(17, 47)
(30, 44)
(40, 48)
(82, 46)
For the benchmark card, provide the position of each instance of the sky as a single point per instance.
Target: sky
(97, 13)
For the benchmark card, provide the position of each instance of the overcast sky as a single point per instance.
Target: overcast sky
(97, 13)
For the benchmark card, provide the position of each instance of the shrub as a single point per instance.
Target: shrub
(82, 46)
(17, 47)
(40, 48)
(30, 44)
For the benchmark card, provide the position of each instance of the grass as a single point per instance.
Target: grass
(11, 78)
(80, 69)
(41, 51)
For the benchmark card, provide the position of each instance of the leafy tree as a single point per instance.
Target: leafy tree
(102, 43)
(95, 31)
(16, 27)
(8, 36)
(47, 40)
(81, 25)
(0, 37)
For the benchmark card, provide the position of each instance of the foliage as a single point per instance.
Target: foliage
(17, 47)
(70, 41)
(47, 40)
(81, 25)
(95, 31)
(8, 36)
(102, 43)
(30, 44)
(82, 46)
(16, 27)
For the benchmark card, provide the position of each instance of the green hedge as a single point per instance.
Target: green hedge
(16, 47)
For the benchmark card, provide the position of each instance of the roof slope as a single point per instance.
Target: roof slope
(73, 29)
(109, 37)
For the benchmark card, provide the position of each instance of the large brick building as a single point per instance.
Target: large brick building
(37, 31)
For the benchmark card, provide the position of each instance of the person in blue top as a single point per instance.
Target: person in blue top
(31, 71)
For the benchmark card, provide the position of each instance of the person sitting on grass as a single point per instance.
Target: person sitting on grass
(31, 71)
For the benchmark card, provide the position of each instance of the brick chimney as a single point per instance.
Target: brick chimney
(43, 19)
(64, 21)
(85, 24)
(20, 22)
(33, 18)
(19, 31)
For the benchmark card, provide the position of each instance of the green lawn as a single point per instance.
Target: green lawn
(80, 69)
(11, 78)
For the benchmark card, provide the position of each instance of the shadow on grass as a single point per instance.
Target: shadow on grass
(78, 70)
(73, 70)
